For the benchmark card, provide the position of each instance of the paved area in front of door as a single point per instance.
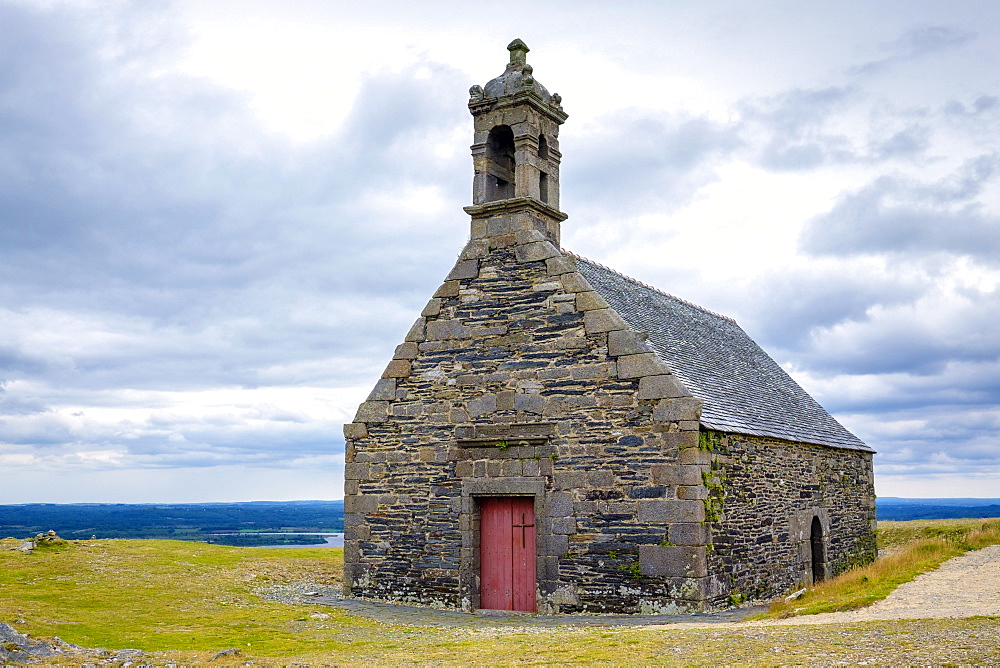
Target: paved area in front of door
(424, 616)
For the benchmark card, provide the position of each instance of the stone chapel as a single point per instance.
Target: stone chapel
(554, 436)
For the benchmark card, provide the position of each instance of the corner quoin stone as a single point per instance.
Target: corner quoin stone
(678, 410)
(355, 430)
(665, 386)
(643, 364)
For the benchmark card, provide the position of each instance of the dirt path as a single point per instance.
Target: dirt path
(966, 586)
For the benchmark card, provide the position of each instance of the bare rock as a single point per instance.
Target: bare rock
(232, 651)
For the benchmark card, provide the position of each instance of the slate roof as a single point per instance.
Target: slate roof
(743, 389)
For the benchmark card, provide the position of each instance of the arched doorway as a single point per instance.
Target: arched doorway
(818, 551)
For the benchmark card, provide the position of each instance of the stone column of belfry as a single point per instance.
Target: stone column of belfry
(515, 108)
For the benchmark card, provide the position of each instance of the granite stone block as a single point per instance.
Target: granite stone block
(679, 409)
(636, 366)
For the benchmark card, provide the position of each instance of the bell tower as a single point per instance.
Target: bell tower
(516, 153)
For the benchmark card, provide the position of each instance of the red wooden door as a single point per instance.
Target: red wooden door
(507, 553)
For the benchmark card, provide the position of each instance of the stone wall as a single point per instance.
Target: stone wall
(518, 379)
(766, 493)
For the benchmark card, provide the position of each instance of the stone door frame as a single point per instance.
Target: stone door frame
(800, 528)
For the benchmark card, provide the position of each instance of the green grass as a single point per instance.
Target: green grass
(907, 549)
(159, 594)
(187, 601)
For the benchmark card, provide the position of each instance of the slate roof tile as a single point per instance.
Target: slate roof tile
(743, 389)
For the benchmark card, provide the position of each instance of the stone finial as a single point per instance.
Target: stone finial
(518, 52)
(527, 80)
(475, 93)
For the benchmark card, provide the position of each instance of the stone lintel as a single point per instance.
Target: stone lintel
(512, 430)
(503, 486)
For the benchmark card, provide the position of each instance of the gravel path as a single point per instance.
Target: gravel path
(426, 616)
(966, 586)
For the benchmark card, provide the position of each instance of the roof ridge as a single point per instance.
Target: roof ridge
(650, 287)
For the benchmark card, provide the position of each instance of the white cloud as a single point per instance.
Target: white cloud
(220, 218)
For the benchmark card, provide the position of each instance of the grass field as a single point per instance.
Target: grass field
(186, 601)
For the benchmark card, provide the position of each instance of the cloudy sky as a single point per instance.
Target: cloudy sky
(218, 218)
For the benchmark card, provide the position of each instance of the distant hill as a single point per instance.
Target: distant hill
(902, 509)
(187, 521)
